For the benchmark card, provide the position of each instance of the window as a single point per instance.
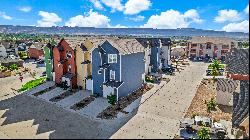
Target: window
(69, 68)
(99, 71)
(69, 55)
(112, 58)
(208, 46)
(112, 75)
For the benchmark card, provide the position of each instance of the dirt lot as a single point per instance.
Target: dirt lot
(7, 84)
(205, 92)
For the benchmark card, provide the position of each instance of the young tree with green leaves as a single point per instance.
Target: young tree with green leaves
(203, 133)
(111, 99)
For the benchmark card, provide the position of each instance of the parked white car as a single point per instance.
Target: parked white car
(12, 56)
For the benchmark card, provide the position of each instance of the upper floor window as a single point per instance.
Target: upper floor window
(69, 68)
(68, 54)
(112, 58)
(208, 46)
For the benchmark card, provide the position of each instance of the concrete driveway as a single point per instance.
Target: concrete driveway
(24, 116)
(159, 116)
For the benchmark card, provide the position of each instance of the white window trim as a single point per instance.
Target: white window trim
(69, 68)
(110, 73)
(99, 71)
(112, 58)
(68, 54)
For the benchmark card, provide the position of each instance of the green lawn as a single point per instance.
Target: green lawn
(31, 84)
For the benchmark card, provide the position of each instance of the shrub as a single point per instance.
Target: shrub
(203, 133)
(149, 79)
(31, 84)
(13, 67)
(211, 105)
(64, 85)
(23, 55)
(3, 68)
(111, 99)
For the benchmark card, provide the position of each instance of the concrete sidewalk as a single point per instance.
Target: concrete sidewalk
(73, 99)
(158, 116)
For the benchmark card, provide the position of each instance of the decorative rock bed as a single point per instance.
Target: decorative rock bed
(112, 111)
(44, 91)
(83, 103)
(63, 95)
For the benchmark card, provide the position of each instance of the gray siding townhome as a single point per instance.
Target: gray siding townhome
(118, 67)
(159, 52)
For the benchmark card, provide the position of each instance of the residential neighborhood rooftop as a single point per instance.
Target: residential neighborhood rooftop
(238, 61)
(215, 40)
(226, 85)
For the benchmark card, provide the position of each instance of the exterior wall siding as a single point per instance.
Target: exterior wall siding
(113, 66)
(58, 68)
(154, 59)
(132, 69)
(63, 68)
(97, 78)
(201, 50)
(80, 67)
(48, 63)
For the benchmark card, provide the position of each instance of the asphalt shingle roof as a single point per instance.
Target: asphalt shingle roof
(126, 46)
(238, 62)
(226, 85)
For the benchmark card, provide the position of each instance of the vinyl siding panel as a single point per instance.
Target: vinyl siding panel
(133, 67)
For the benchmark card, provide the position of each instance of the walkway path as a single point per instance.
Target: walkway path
(158, 117)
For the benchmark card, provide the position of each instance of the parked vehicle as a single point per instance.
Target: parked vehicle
(194, 125)
(12, 56)
(169, 69)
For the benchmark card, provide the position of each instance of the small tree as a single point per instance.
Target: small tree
(111, 99)
(64, 85)
(13, 67)
(203, 133)
(215, 69)
(211, 105)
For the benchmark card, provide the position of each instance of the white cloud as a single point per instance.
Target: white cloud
(4, 16)
(48, 19)
(172, 19)
(114, 5)
(25, 9)
(194, 15)
(237, 27)
(246, 10)
(91, 19)
(136, 6)
(137, 18)
(227, 15)
(97, 4)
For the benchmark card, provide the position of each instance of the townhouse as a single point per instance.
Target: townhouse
(106, 65)
(118, 67)
(64, 64)
(158, 50)
(36, 51)
(238, 69)
(209, 47)
(84, 63)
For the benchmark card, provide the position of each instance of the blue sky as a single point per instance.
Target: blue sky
(229, 15)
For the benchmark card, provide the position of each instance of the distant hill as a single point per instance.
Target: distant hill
(120, 31)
